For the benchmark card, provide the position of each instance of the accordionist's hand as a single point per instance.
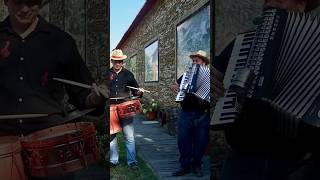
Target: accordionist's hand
(217, 84)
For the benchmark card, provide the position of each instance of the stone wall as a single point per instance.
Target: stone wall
(235, 16)
(3, 10)
(160, 23)
(97, 43)
(88, 23)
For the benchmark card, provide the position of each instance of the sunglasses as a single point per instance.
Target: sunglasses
(27, 2)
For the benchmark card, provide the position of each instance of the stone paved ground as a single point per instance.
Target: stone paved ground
(160, 151)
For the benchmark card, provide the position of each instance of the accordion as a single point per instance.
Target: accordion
(279, 64)
(195, 80)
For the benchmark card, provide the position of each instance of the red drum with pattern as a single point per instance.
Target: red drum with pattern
(129, 109)
(60, 149)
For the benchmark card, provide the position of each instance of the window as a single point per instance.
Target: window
(151, 62)
(192, 34)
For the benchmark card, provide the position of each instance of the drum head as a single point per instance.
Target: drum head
(58, 132)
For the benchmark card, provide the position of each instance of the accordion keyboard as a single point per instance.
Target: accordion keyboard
(284, 56)
(238, 60)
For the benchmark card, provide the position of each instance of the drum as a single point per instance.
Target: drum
(60, 149)
(129, 109)
(11, 165)
(114, 120)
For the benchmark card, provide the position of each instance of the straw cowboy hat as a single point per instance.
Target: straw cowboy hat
(312, 4)
(117, 55)
(201, 54)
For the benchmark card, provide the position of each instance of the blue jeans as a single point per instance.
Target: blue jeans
(128, 131)
(193, 136)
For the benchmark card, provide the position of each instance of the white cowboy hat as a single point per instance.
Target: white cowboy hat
(117, 55)
(201, 54)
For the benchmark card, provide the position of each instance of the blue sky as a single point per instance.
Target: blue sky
(122, 13)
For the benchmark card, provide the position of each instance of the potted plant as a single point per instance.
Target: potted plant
(150, 109)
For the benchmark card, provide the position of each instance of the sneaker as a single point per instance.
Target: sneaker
(181, 172)
(197, 172)
(133, 166)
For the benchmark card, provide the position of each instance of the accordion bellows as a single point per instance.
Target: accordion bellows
(284, 54)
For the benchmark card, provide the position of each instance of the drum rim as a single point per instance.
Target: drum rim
(129, 102)
(32, 141)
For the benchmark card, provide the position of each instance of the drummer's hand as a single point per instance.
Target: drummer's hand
(98, 95)
(140, 92)
(101, 90)
(175, 88)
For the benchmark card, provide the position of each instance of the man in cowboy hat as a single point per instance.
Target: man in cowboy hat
(193, 126)
(118, 78)
(257, 151)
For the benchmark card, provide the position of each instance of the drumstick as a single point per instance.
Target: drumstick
(23, 116)
(79, 84)
(133, 97)
(118, 98)
(73, 83)
(143, 90)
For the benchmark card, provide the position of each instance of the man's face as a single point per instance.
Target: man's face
(197, 60)
(117, 64)
(23, 12)
(289, 5)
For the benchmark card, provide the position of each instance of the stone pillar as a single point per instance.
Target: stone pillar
(45, 10)
(74, 22)
(3, 10)
(97, 37)
(57, 13)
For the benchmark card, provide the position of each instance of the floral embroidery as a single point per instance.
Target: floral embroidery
(5, 52)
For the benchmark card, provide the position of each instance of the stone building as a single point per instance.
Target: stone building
(87, 21)
(155, 34)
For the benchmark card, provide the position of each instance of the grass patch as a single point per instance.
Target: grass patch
(122, 172)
